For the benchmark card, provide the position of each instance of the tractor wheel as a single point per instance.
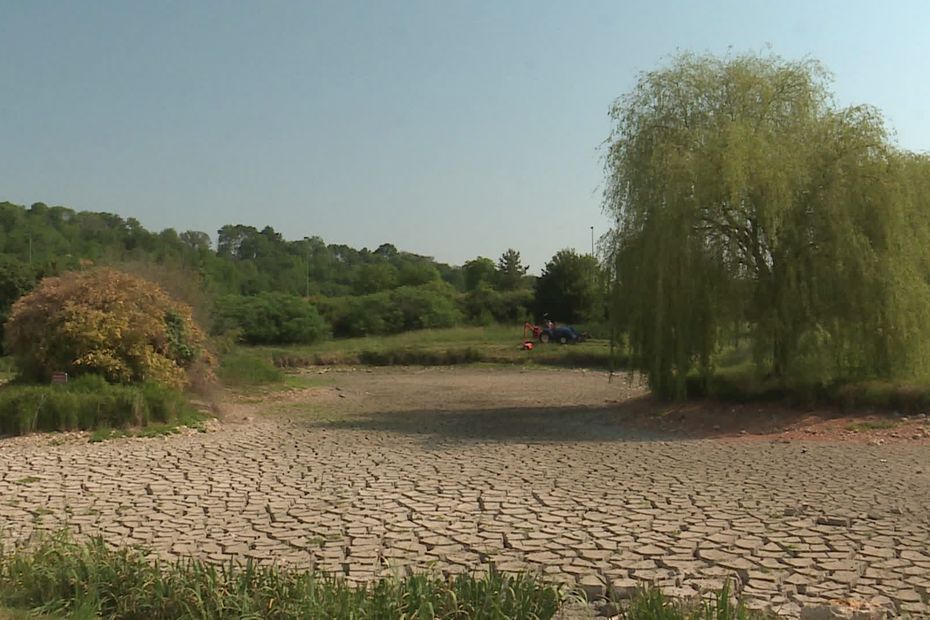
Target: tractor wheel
(544, 337)
(563, 340)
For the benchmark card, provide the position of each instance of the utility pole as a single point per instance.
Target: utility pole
(592, 241)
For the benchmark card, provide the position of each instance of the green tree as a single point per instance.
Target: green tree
(422, 307)
(479, 271)
(374, 277)
(568, 289)
(196, 240)
(16, 279)
(746, 200)
(416, 273)
(511, 272)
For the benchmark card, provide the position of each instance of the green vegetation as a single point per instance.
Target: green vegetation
(103, 322)
(242, 367)
(871, 425)
(60, 576)
(461, 345)
(105, 433)
(752, 209)
(249, 284)
(7, 370)
(402, 309)
(90, 402)
(16, 279)
(652, 604)
(270, 318)
(736, 378)
(127, 348)
(188, 419)
(570, 288)
(888, 395)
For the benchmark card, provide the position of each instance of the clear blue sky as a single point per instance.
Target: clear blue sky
(452, 129)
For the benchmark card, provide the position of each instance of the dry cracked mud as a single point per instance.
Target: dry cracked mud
(375, 473)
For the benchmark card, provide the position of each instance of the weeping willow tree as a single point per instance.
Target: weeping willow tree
(748, 204)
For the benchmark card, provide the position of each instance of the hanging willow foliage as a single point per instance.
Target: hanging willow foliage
(748, 204)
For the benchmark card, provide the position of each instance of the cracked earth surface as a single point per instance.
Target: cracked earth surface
(370, 474)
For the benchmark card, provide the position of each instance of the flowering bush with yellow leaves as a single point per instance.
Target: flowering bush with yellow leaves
(103, 322)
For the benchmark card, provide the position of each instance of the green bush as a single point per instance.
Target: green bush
(242, 367)
(402, 309)
(103, 322)
(743, 382)
(425, 307)
(486, 306)
(271, 318)
(86, 403)
(365, 315)
(888, 395)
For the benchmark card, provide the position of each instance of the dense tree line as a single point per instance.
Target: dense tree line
(270, 289)
(751, 208)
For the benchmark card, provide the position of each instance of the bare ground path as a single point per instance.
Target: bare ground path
(441, 469)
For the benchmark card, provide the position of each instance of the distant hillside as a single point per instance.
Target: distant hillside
(246, 260)
(242, 279)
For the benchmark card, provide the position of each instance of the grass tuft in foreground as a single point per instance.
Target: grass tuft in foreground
(60, 576)
(652, 604)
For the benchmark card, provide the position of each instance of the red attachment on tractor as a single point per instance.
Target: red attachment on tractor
(529, 328)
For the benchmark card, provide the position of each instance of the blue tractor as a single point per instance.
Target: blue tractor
(550, 332)
(563, 334)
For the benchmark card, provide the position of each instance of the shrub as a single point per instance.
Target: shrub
(248, 368)
(103, 322)
(87, 403)
(405, 308)
(486, 306)
(365, 315)
(271, 318)
(422, 307)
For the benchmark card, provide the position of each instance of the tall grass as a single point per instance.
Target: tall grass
(61, 576)
(245, 367)
(86, 403)
(743, 384)
(737, 378)
(652, 604)
(7, 369)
